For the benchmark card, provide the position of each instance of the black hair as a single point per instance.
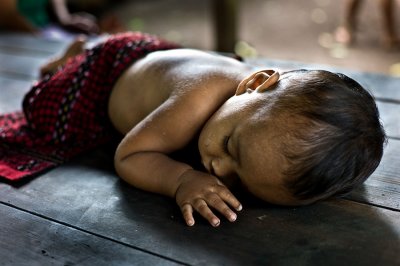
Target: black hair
(340, 139)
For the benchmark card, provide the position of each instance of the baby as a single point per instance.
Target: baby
(289, 138)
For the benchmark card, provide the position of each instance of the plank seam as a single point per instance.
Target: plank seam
(372, 204)
(92, 233)
(392, 137)
(387, 100)
(17, 76)
(32, 53)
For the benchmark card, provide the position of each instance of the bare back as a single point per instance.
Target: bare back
(150, 81)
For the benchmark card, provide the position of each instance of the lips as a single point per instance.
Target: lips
(209, 167)
(212, 171)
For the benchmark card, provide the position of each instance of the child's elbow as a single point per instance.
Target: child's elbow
(126, 166)
(119, 163)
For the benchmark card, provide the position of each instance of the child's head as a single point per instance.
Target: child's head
(310, 135)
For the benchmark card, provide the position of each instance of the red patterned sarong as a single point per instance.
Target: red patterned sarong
(66, 114)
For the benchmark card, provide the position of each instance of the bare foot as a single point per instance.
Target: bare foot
(344, 35)
(75, 48)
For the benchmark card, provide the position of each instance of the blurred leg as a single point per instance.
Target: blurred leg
(225, 19)
(389, 33)
(345, 33)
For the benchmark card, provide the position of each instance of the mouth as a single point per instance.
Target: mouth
(209, 167)
(212, 171)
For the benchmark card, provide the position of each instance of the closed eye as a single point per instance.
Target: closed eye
(225, 144)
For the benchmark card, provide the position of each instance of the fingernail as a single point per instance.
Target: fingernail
(215, 222)
(190, 222)
(239, 208)
(232, 217)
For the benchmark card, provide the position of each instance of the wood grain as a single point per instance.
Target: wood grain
(81, 213)
(27, 239)
(96, 201)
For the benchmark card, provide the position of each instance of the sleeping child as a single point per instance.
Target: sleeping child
(289, 138)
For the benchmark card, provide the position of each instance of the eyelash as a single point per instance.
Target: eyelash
(225, 144)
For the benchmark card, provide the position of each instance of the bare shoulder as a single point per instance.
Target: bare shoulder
(197, 77)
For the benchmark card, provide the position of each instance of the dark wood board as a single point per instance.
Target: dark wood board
(390, 116)
(27, 239)
(11, 93)
(30, 46)
(87, 195)
(19, 66)
(383, 187)
(84, 203)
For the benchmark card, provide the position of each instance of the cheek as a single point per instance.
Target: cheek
(208, 146)
(208, 135)
(205, 143)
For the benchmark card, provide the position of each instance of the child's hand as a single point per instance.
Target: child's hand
(201, 191)
(81, 22)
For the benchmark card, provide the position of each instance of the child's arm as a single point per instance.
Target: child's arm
(141, 158)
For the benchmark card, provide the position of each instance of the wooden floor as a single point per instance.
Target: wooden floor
(82, 214)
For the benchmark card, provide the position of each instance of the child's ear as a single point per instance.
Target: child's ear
(259, 81)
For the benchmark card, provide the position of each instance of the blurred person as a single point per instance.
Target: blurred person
(35, 16)
(345, 32)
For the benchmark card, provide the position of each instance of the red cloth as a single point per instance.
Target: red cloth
(66, 114)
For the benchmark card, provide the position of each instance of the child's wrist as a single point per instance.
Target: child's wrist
(182, 178)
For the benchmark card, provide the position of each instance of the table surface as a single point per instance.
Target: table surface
(81, 213)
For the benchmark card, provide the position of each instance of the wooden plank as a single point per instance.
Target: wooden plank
(26, 239)
(20, 67)
(381, 86)
(87, 194)
(21, 55)
(390, 116)
(11, 93)
(29, 45)
(383, 187)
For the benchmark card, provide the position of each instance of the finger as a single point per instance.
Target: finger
(201, 207)
(187, 212)
(229, 198)
(215, 201)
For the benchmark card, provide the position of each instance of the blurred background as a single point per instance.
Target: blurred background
(299, 30)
